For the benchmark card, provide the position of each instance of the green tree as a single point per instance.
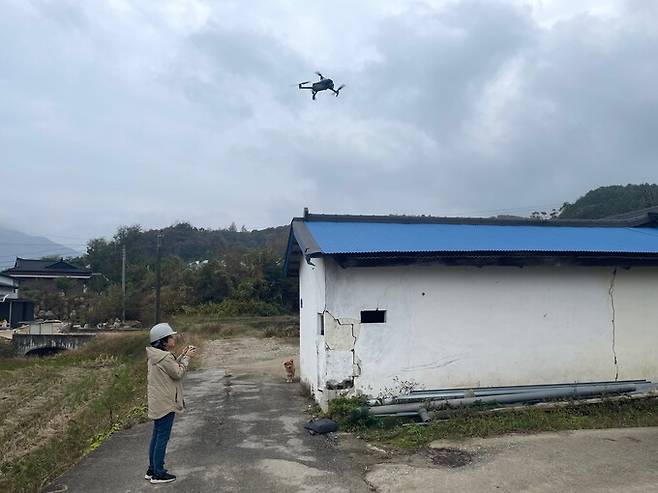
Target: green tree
(611, 200)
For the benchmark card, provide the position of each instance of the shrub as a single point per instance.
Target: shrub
(351, 413)
(235, 308)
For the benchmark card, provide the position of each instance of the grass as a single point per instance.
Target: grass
(54, 410)
(6, 351)
(351, 413)
(215, 327)
(471, 423)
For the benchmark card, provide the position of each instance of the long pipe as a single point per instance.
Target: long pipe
(457, 393)
(416, 396)
(504, 399)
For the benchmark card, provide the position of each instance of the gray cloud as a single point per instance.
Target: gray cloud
(125, 112)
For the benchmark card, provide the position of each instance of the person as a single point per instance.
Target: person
(165, 395)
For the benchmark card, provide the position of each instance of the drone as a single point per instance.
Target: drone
(321, 85)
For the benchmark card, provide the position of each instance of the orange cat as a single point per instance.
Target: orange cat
(290, 370)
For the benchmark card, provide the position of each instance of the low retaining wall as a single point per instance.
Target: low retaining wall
(24, 343)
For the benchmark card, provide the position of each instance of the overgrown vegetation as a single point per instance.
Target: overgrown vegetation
(472, 423)
(351, 413)
(611, 200)
(54, 410)
(215, 327)
(222, 272)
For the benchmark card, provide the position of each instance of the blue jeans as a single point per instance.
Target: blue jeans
(159, 439)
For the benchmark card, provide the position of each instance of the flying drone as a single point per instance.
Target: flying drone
(321, 85)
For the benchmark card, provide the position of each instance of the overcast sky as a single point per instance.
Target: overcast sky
(124, 112)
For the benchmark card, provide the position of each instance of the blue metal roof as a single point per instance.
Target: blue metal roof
(344, 237)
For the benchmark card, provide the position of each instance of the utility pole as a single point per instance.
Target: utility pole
(158, 258)
(123, 284)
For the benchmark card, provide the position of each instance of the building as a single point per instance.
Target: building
(8, 287)
(49, 275)
(389, 302)
(13, 310)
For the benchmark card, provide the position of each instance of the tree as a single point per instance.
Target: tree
(611, 200)
(64, 284)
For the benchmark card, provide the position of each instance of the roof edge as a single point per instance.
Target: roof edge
(636, 221)
(300, 242)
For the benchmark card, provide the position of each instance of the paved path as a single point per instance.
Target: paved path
(240, 434)
(587, 461)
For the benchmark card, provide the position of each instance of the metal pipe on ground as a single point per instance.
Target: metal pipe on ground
(549, 394)
(458, 393)
(419, 395)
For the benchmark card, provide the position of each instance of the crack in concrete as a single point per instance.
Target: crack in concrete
(611, 293)
(370, 486)
(354, 361)
(354, 339)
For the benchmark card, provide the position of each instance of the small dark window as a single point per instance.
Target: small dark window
(301, 303)
(321, 324)
(373, 316)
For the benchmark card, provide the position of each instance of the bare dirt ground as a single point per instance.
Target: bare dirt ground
(253, 355)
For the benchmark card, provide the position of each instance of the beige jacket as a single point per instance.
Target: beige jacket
(165, 382)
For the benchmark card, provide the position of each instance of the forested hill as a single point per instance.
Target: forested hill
(227, 271)
(611, 200)
(183, 241)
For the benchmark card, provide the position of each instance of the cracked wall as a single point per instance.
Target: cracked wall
(470, 327)
(341, 335)
(613, 322)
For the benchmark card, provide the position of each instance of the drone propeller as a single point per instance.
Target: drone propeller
(338, 90)
(320, 75)
(306, 82)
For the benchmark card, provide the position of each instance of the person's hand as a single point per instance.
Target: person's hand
(191, 351)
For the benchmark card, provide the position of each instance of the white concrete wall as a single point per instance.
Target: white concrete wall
(312, 303)
(6, 288)
(468, 326)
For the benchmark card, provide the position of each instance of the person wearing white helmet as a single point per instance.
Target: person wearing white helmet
(165, 395)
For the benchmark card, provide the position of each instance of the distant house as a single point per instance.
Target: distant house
(13, 309)
(8, 287)
(390, 301)
(46, 275)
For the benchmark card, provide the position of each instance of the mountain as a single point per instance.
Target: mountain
(611, 200)
(16, 244)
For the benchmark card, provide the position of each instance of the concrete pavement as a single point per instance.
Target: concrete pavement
(239, 434)
(586, 461)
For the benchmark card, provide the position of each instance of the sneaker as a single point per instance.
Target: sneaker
(163, 478)
(149, 474)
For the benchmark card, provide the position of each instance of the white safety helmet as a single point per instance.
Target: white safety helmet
(161, 331)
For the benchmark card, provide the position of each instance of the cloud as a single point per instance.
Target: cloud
(128, 112)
